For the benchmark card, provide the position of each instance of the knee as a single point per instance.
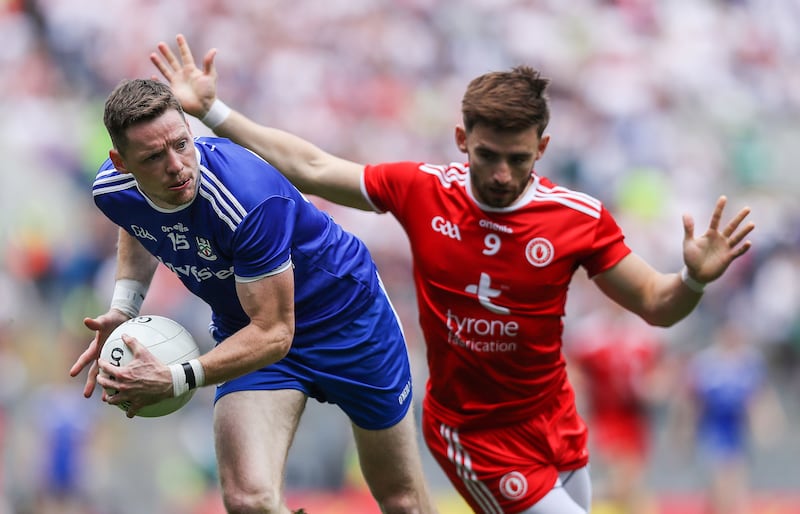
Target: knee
(252, 502)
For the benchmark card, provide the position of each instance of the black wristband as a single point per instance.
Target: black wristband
(190, 378)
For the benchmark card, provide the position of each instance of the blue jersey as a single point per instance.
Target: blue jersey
(724, 384)
(246, 222)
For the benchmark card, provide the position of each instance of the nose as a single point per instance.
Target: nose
(174, 163)
(501, 174)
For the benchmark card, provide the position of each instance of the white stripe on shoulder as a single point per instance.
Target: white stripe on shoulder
(212, 200)
(234, 203)
(111, 183)
(575, 200)
(111, 171)
(454, 173)
(221, 199)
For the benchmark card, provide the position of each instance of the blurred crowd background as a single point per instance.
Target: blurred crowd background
(658, 107)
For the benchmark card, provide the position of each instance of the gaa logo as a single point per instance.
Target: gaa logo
(513, 485)
(448, 228)
(539, 252)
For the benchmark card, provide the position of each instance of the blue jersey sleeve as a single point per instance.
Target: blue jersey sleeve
(264, 239)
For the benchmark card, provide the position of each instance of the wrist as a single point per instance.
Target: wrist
(128, 296)
(186, 376)
(692, 283)
(217, 113)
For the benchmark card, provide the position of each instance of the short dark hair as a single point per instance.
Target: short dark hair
(509, 100)
(134, 101)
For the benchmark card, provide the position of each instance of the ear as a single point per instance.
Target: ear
(543, 142)
(116, 159)
(461, 138)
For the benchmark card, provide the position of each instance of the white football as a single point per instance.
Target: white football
(167, 340)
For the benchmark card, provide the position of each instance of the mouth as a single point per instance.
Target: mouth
(499, 192)
(498, 196)
(180, 186)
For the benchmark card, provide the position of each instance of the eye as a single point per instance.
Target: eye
(182, 144)
(487, 155)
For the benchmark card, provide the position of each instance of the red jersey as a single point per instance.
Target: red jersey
(617, 359)
(492, 284)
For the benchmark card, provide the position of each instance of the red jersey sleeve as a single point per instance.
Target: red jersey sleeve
(607, 247)
(386, 186)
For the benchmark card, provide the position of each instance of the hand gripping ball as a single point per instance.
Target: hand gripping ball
(167, 340)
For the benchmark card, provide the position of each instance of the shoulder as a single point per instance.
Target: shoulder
(234, 176)
(219, 149)
(446, 174)
(109, 180)
(229, 161)
(545, 191)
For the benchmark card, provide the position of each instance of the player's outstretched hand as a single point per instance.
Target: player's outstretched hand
(709, 255)
(102, 327)
(196, 89)
(143, 381)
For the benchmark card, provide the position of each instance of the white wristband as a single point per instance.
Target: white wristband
(179, 384)
(186, 376)
(694, 285)
(216, 114)
(128, 296)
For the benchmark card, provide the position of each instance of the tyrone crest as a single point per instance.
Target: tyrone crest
(539, 252)
(204, 249)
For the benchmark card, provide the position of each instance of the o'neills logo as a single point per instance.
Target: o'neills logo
(513, 485)
(539, 252)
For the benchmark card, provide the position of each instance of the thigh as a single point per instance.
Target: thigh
(506, 468)
(253, 431)
(570, 495)
(390, 459)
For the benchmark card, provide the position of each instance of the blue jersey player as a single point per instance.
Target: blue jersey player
(298, 308)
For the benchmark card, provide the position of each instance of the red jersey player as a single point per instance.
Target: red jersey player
(499, 414)
(621, 371)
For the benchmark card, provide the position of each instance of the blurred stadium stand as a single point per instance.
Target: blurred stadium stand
(658, 107)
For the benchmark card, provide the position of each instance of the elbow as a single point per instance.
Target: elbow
(271, 347)
(281, 349)
(282, 344)
(661, 320)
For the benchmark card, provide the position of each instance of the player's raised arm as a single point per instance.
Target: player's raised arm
(311, 169)
(664, 299)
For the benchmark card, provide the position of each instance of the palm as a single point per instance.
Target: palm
(194, 87)
(708, 256)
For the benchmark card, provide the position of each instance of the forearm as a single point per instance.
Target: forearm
(134, 262)
(245, 351)
(290, 154)
(135, 269)
(311, 169)
(269, 304)
(661, 299)
(669, 300)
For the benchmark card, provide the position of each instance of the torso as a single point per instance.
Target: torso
(492, 284)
